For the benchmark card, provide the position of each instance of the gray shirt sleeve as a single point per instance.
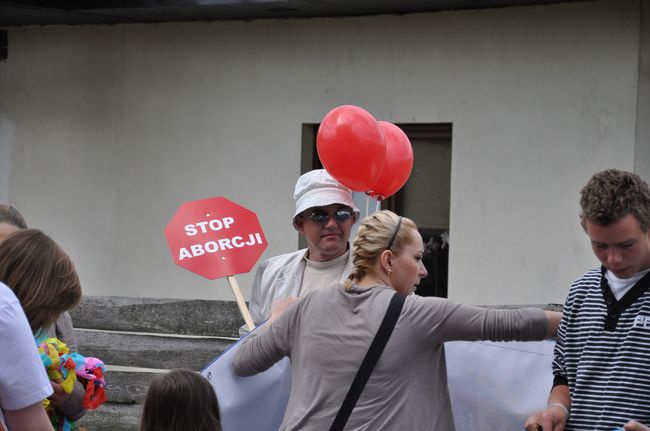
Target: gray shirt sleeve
(437, 320)
(267, 345)
(64, 331)
(433, 321)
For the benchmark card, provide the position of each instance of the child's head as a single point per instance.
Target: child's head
(41, 276)
(180, 400)
(10, 221)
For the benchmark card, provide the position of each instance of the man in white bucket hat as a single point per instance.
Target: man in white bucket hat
(324, 215)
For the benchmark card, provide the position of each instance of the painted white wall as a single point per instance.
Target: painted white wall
(642, 154)
(7, 144)
(114, 126)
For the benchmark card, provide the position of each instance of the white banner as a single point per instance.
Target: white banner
(493, 387)
(496, 386)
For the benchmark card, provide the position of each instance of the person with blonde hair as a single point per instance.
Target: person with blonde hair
(402, 384)
(45, 281)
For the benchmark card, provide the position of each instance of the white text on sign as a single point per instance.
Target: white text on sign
(220, 244)
(214, 225)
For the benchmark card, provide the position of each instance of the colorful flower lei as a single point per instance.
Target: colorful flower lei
(70, 367)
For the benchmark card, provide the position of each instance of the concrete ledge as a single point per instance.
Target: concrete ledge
(113, 417)
(166, 316)
(546, 307)
(150, 351)
(127, 387)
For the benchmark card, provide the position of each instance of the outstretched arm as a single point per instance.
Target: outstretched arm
(635, 426)
(552, 323)
(279, 307)
(270, 343)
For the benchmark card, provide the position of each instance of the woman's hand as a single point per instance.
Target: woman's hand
(59, 396)
(635, 426)
(556, 414)
(546, 420)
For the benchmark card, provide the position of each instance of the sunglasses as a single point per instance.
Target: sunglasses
(322, 216)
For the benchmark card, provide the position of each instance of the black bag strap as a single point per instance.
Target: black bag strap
(374, 352)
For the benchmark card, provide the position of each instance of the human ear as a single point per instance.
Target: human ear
(385, 260)
(298, 224)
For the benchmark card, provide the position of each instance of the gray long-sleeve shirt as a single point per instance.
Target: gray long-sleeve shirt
(328, 332)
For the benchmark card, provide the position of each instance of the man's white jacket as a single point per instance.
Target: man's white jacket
(279, 277)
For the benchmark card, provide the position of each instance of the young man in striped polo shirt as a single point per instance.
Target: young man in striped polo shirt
(602, 356)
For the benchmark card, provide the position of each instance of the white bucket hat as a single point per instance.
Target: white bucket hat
(318, 189)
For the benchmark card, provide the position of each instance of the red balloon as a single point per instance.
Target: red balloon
(398, 164)
(351, 147)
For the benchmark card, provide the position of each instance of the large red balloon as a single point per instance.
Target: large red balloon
(398, 165)
(351, 147)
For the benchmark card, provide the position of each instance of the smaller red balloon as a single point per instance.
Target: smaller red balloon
(398, 163)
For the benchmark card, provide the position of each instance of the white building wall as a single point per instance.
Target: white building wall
(110, 128)
(642, 155)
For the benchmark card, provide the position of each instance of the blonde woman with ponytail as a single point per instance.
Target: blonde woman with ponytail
(327, 334)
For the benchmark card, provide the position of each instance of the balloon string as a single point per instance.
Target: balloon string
(367, 204)
(377, 205)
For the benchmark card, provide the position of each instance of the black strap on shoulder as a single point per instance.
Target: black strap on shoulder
(374, 352)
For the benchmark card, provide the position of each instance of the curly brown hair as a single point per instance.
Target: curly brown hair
(612, 194)
(374, 236)
(41, 275)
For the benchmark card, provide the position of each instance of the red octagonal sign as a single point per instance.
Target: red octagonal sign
(215, 237)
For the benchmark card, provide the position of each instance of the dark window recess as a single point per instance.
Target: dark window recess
(4, 44)
(436, 261)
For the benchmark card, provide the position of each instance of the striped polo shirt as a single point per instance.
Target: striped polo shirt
(603, 353)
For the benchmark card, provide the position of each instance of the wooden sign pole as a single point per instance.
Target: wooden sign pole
(241, 303)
